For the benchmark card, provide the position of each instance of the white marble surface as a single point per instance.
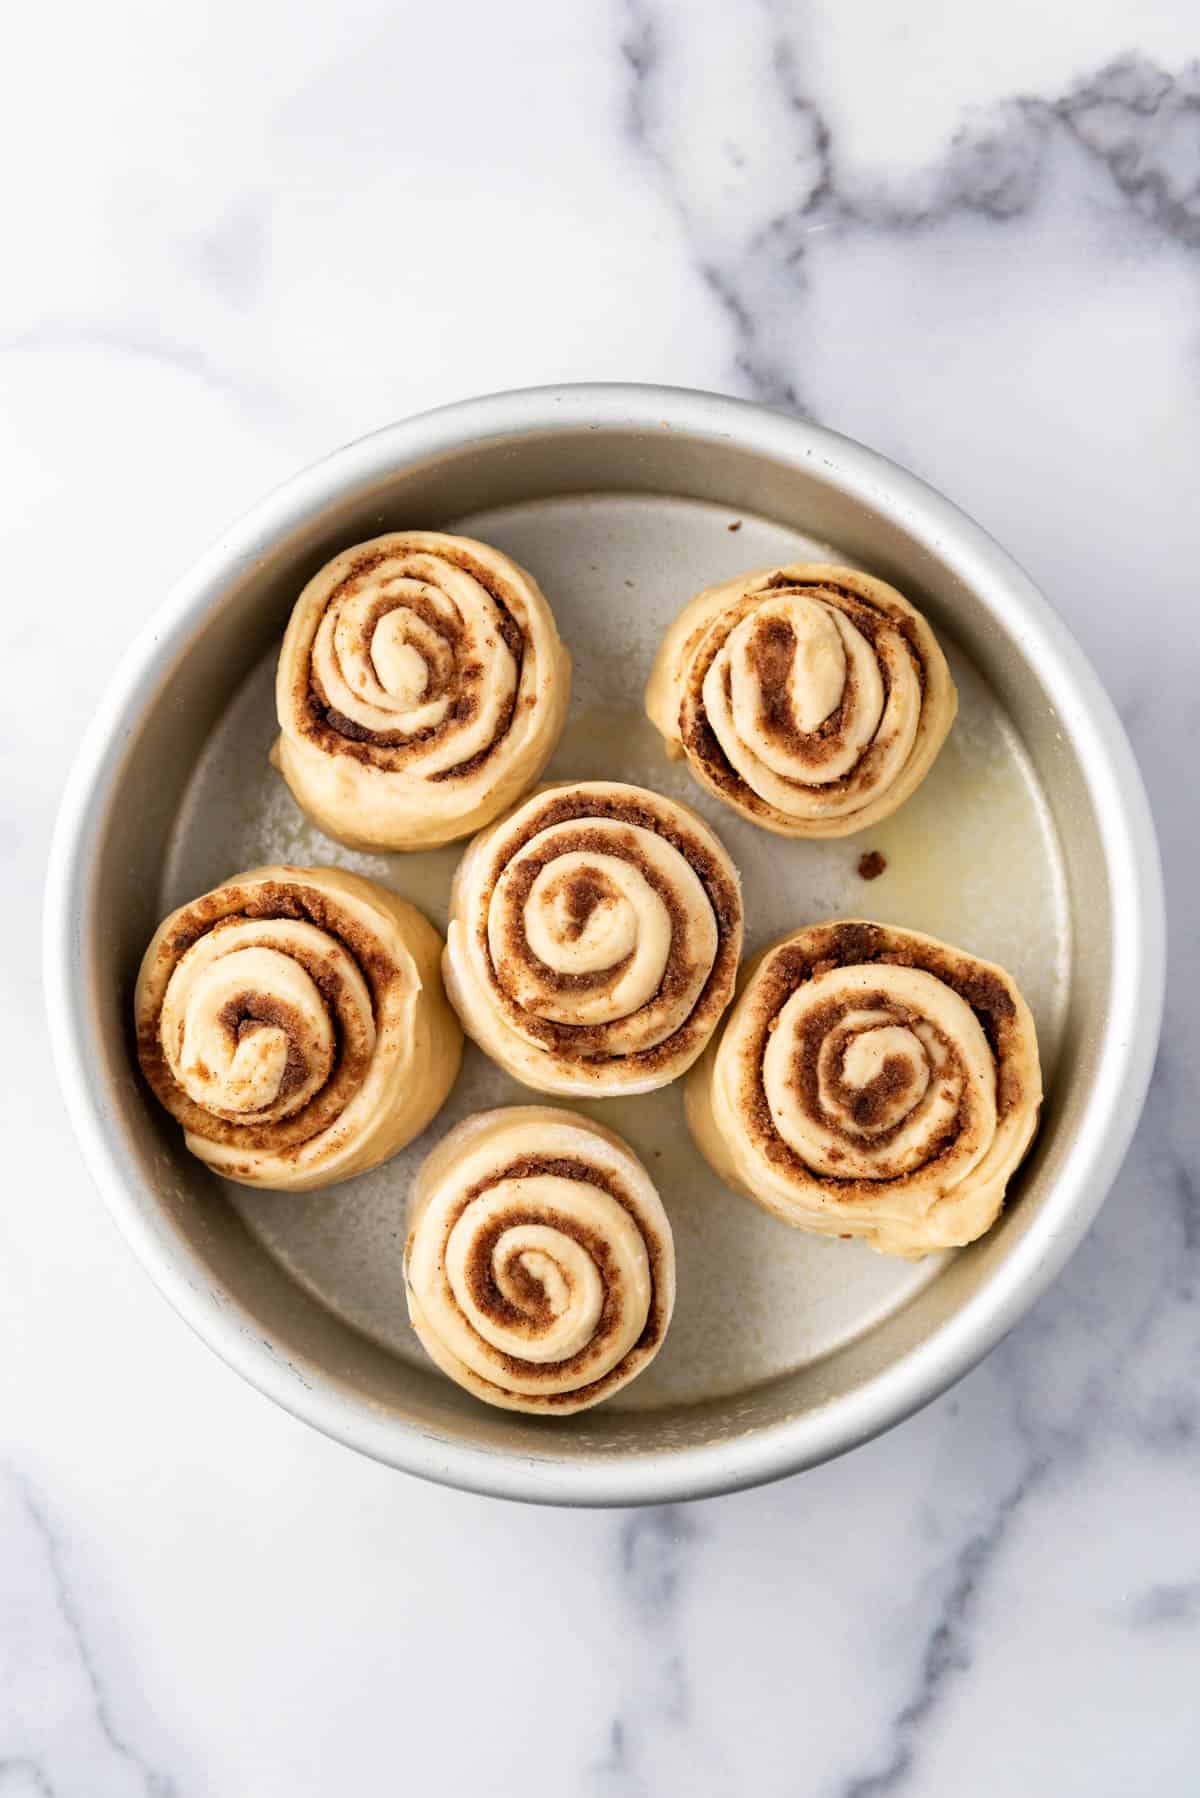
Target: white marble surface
(238, 234)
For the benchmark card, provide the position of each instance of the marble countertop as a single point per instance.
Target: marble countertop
(241, 234)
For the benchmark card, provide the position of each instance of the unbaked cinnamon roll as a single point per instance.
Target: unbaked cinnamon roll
(812, 699)
(594, 939)
(540, 1267)
(421, 688)
(294, 1022)
(871, 1082)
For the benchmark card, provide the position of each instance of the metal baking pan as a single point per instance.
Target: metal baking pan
(1030, 843)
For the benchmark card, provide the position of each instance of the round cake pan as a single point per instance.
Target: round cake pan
(1031, 843)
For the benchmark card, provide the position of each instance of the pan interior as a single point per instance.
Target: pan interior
(768, 1321)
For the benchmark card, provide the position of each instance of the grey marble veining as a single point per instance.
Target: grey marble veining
(50, 1670)
(245, 234)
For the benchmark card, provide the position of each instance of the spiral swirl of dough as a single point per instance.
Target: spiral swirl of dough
(812, 699)
(540, 1267)
(594, 938)
(872, 1082)
(293, 1021)
(421, 688)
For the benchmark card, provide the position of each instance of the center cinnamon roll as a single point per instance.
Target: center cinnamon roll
(594, 938)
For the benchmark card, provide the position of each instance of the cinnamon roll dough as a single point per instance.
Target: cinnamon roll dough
(421, 688)
(539, 1267)
(594, 939)
(294, 1022)
(812, 699)
(873, 1082)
